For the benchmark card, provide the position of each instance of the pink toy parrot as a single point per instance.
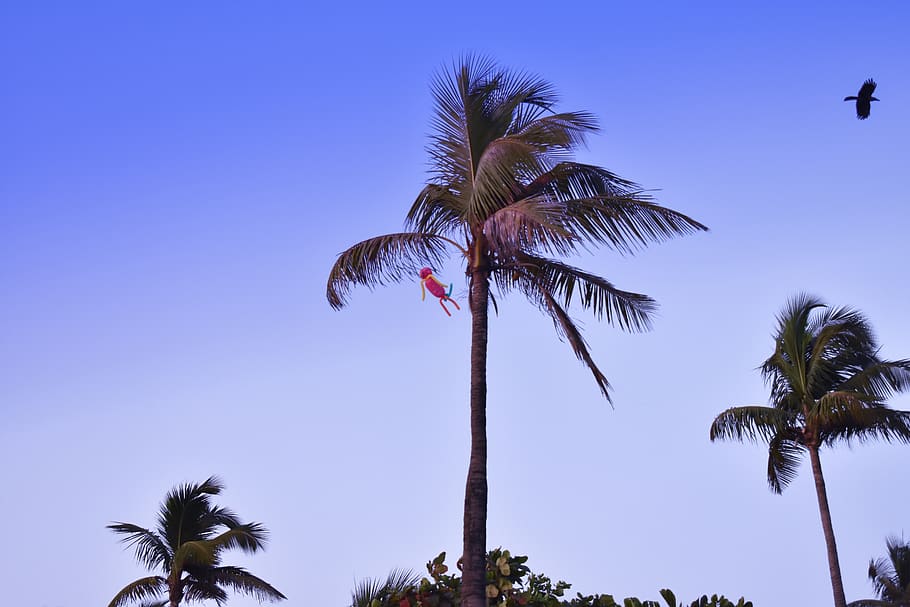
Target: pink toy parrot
(438, 289)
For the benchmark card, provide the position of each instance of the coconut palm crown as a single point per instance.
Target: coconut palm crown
(890, 576)
(506, 194)
(828, 385)
(186, 547)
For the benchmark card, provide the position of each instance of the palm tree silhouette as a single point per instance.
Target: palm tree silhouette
(507, 195)
(186, 547)
(890, 576)
(864, 99)
(828, 384)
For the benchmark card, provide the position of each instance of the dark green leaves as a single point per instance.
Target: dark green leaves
(510, 583)
(193, 532)
(241, 581)
(150, 549)
(630, 311)
(828, 384)
(143, 589)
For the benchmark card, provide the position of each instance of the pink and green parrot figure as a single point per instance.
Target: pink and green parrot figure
(438, 289)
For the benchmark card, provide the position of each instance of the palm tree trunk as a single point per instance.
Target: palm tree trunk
(174, 588)
(473, 580)
(837, 584)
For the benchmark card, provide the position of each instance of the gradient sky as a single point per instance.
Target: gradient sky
(176, 180)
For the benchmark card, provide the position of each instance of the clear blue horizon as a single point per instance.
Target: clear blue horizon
(176, 182)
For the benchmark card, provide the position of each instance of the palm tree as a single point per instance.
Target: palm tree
(506, 194)
(890, 577)
(186, 547)
(828, 384)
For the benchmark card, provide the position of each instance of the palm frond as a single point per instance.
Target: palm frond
(196, 590)
(370, 589)
(792, 369)
(753, 423)
(518, 91)
(841, 343)
(604, 208)
(495, 178)
(218, 516)
(784, 455)
(884, 577)
(249, 537)
(530, 224)
(437, 210)
(566, 130)
(567, 331)
(626, 223)
(182, 516)
(847, 418)
(630, 311)
(899, 557)
(460, 99)
(573, 180)
(794, 339)
(785, 379)
(242, 581)
(142, 589)
(380, 260)
(881, 378)
(150, 549)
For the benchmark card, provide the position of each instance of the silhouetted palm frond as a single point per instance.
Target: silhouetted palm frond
(142, 589)
(150, 549)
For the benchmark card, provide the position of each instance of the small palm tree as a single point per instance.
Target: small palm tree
(191, 535)
(507, 196)
(377, 592)
(828, 384)
(890, 576)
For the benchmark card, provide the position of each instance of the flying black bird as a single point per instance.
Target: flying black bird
(864, 99)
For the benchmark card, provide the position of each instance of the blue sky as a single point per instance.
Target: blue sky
(176, 181)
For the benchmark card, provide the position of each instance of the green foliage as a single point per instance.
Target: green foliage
(890, 576)
(511, 583)
(828, 385)
(187, 547)
(506, 193)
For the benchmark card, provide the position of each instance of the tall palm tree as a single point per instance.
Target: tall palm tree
(890, 577)
(828, 384)
(506, 194)
(186, 547)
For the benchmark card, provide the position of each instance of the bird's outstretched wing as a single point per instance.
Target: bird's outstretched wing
(866, 90)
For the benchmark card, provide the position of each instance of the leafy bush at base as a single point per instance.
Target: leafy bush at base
(510, 583)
